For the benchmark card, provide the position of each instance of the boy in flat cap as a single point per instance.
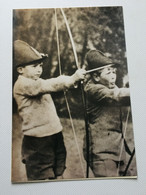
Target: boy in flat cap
(43, 150)
(104, 109)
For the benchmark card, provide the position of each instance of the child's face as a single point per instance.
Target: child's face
(33, 71)
(108, 77)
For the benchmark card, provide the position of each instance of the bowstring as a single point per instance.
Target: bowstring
(58, 48)
(66, 100)
(122, 144)
(82, 91)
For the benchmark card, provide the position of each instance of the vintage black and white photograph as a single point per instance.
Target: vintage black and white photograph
(72, 114)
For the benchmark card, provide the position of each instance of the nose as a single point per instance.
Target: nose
(113, 76)
(39, 69)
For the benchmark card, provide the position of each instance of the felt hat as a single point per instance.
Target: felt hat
(97, 59)
(25, 55)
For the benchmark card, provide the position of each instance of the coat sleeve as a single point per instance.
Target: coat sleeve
(98, 93)
(29, 87)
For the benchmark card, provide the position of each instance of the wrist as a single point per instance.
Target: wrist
(75, 78)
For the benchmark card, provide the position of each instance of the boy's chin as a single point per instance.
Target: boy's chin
(111, 85)
(36, 77)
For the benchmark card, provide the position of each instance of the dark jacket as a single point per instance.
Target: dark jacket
(106, 117)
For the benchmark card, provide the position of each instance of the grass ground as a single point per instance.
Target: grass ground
(74, 169)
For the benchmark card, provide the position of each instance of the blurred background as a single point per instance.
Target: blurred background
(99, 28)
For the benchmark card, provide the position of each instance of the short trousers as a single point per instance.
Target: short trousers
(104, 164)
(44, 157)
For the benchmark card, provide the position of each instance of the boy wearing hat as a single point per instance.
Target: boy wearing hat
(43, 150)
(104, 109)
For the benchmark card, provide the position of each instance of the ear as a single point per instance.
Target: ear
(20, 70)
(96, 77)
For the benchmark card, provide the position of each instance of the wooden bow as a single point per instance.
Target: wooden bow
(83, 95)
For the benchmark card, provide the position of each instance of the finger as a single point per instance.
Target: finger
(84, 72)
(83, 67)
